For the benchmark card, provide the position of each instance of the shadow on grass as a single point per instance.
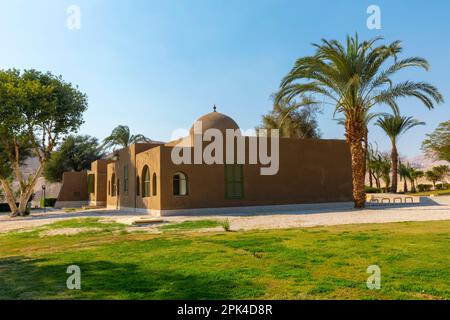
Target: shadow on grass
(23, 278)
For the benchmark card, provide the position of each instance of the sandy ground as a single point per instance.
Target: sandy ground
(431, 209)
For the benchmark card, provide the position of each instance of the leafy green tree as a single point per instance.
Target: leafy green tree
(442, 171)
(122, 138)
(432, 176)
(353, 78)
(394, 126)
(36, 111)
(437, 173)
(76, 153)
(437, 143)
(292, 122)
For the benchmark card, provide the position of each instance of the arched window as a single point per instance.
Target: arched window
(180, 185)
(138, 186)
(113, 185)
(145, 182)
(154, 184)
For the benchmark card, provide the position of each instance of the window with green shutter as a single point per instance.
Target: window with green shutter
(234, 181)
(125, 179)
(91, 183)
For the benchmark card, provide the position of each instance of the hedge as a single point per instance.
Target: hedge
(4, 207)
(424, 187)
(48, 202)
(372, 190)
(442, 186)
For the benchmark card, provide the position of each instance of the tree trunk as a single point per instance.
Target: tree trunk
(413, 187)
(359, 194)
(26, 193)
(370, 179)
(366, 150)
(9, 197)
(405, 186)
(394, 156)
(355, 130)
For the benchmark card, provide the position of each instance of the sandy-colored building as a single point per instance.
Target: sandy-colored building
(144, 178)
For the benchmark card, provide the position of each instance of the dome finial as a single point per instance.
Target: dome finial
(215, 108)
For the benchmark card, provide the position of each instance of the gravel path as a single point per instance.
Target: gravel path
(433, 210)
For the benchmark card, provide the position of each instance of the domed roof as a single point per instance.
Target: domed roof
(216, 120)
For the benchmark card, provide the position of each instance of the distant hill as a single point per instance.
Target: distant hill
(51, 189)
(423, 162)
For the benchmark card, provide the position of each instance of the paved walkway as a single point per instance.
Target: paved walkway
(431, 209)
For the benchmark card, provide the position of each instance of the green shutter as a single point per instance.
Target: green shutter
(234, 182)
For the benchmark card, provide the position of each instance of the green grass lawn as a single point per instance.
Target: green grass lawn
(432, 192)
(190, 225)
(315, 263)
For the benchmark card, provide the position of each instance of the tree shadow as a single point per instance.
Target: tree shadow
(24, 278)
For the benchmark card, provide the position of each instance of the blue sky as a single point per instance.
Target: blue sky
(158, 65)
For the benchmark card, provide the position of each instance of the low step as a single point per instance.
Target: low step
(147, 221)
(93, 207)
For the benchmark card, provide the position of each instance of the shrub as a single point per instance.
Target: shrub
(48, 202)
(4, 207)
(225, 224)
(424, 187)
(372, 190)
(442, 186)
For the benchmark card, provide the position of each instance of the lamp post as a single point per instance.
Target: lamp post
(43, 193)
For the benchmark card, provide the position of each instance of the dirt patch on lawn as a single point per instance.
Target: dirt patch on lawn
(67, 231)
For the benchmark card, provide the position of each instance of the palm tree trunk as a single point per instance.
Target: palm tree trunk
(366, 149)
(355, 135)
(413, 186)
(394, 156)
(405, 186)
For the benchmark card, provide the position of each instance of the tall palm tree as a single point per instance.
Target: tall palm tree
(368, 117)
(385, 170)
(394, 126)
(413, 175)
(404, 174)
(121, 137)
(353, 78)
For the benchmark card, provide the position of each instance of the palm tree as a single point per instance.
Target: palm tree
(121, 137)
(368, 117)
(404, 174)
(413, 175)
(394, 126)
(385, 170)
(353, 79)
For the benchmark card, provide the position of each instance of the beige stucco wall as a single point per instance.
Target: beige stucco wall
(310, 171)
(74, 190)
(128, 157)
(98, 197)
